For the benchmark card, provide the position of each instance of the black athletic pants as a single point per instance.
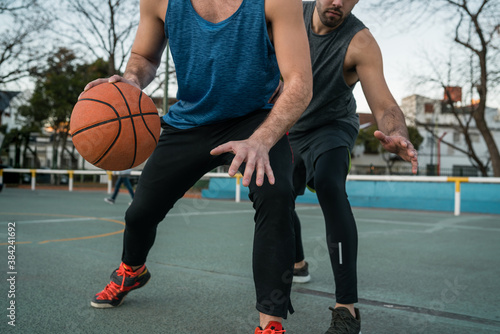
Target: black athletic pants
(180, 159)
(330, 173)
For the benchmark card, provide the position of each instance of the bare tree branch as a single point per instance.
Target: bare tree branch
(105, 28)
(476, 26)
(19, 47)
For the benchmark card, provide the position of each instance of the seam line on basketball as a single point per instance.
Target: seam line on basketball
(95, 162)
(144, 121)
(131, 121)
(110, 121)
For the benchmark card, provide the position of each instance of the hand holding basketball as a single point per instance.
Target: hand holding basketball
(115, 126)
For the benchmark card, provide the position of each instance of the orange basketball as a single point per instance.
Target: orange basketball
(115, 126)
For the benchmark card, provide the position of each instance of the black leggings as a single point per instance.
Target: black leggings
(330, 173)
(180, 159)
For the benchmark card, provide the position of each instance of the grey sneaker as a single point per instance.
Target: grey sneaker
(109, 200)
(343, 322)
(301, 275)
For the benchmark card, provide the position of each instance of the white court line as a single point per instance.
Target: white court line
(61, 220)
(227, 212)
(434, 226)
(180, 214)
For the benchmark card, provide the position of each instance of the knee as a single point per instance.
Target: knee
(279, 195)
(139, 216)
(330, 184)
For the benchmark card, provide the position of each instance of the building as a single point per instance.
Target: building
(435, 122)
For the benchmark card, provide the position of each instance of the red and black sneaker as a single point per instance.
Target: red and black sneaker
(273, 327)
(123, 280)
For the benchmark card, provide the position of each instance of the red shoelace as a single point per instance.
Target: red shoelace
(113, 289)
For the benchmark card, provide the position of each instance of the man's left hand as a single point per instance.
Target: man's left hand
(251, 152)
(400, 146)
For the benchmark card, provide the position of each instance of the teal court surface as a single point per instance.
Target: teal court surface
(418, 272)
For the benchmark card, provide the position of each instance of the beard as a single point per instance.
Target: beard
(328, 20)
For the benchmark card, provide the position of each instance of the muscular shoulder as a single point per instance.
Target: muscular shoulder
(276, 8)
(154, 8)
(363, 48)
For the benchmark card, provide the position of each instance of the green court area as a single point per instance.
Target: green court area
(419, 272)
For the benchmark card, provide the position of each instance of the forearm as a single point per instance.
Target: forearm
(287, 110)
(140, 70)
(392, 122)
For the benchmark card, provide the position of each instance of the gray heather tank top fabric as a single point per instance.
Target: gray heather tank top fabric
(327, 57)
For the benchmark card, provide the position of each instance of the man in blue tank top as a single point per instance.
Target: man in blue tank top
(229, 56)
(343, 52)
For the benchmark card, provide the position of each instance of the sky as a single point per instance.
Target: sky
(405, 50)
(402, 52)
(405, 53)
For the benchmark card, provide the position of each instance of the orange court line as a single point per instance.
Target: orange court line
(67, 239)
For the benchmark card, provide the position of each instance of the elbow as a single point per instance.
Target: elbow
(307, 92)
(304, 89)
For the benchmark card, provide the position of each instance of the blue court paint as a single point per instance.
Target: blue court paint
(428, 196)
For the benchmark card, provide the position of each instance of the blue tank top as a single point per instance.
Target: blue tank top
(224, 70)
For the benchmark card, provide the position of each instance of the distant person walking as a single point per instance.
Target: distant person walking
(123, 178)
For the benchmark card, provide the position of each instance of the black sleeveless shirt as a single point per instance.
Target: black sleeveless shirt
(333, 99)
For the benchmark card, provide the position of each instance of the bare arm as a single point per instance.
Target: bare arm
(292, 52)
(365, 53)
(147, 49)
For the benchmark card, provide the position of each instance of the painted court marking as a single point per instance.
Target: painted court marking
(433, 227)
(68, 218)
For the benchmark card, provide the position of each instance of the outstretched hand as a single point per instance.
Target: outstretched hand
(251, 152)
(400, 146)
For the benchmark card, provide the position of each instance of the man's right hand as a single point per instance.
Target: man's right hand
(112, 79)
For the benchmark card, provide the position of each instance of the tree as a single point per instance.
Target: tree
(464, 116)
(476, 32)
(22, 23)
(58, 85)
(14, 5)
(102, 28)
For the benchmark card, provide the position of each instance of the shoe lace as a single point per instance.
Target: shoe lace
(123, 273)
(112, 289)
(271, 331)
(339, 320)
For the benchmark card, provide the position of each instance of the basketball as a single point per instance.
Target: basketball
(115, 126)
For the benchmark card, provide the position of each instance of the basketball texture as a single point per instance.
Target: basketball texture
(115, 126)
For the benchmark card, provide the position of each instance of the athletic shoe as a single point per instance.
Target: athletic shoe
(123, 280)
(343, 322)
(301, 275)
(109, 200)
(273, 327)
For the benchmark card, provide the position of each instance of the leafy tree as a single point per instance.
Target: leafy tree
(366, 138)
(58, 85)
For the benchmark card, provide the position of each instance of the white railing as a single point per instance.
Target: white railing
(457, 180)
(72, 173)
(390, 178)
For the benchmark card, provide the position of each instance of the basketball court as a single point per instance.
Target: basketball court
(419, 272)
